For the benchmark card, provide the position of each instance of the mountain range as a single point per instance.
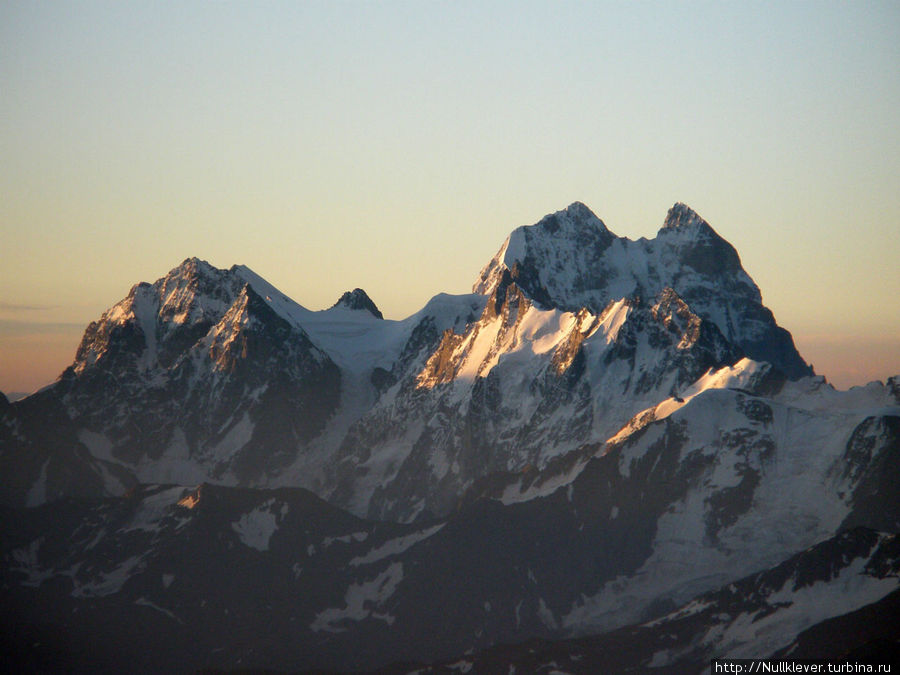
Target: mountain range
(608, 453)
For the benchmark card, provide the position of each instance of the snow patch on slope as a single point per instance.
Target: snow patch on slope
(361, 601)
(395, 546)
(255, 529)
(37, 495)
(753, 633)
(107, 583)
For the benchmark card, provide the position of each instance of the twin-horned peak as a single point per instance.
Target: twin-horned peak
(570, 260)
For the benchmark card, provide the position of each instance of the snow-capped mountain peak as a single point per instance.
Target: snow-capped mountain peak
(358, 299)
(155, 322)
(574, 218)
(553, 241)
(681, 215)
(570, 260)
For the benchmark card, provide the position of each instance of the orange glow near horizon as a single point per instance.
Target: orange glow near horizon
(30, 362)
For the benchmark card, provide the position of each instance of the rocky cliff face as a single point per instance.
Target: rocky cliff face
(193, 377)
(515, 389)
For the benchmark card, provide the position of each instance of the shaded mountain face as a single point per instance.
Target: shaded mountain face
(812, 599)
(279, 579)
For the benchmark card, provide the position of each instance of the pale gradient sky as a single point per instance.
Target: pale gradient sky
(394, 145)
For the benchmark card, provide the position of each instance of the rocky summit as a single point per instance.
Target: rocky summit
(608, 453)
